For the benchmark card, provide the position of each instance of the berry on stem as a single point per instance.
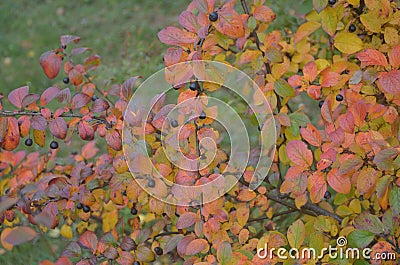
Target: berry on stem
(86, 208)
(352, 28)
(66, 80)
(213, 16)
(28, 142)
(79, 206)
(53, 145)
(320, 104)
(202, 115)
(151, 183)
(134, 211)
(327, 195)
(174, 123)
(94, 98)
(339, 97)
(158, 250)
(193, 86)
(332, 2)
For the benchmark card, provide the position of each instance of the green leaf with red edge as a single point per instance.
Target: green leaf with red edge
(88, 240)
(229, 22)
(350, 165)
(372, 57)
(299, 154)
(19, 235)
(319, 5)
(317, 186)
(58, 127)
(369, 222)
(144, 254)
(384, 159)
(264, 14)
(389, 82)
(283, 89)
(17, 95)
(11, 138)
(125, 258)
(187, 219)
(224, 252)
(51, 63)
(92, 62)
(197, 246)
(338, 182)
(296, 234)
(176, 36)
(305, 30)
(311, 135)
(86, 131)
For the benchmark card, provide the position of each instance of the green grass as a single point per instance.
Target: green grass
(124, 33)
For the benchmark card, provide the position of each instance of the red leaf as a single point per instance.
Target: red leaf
(299, 154)
(173, 56)
(311, 135)
(113, 139)
(88, 240)
(100, 105)
(310, 71)
(45, 219)
(127, 87)
(125, 258)
(11, 138)
(372, 57)
(30, 98)
(196, 246)
(51, 63)
(66, 39)
(338, 182)
(17, 95)
(80, 100)
(394, 57)
(317, 186)
(76, 51)
(329, 79)
(389, 82)
(176, 36)
(264, 14)
(85, 130)
(58, 127)
(187, 219)
(64, 96)
(189, 21)
(39, 123)
(19, 235)
(89, 150)
(75, 76)
(48, 95)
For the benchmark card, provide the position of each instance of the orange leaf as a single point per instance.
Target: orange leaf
(88, 240)
(51, 63)
(229, 22)
(176, 36)
(329, 79)
(264, 14)
(305, 30)
(11, 138)
(196, 246)
(366, 180)
(394, 57)
(311, 135)
(372, 57)
(310, 71)
(299, 154)
(317, 186)
(187, 219)
(338, 182)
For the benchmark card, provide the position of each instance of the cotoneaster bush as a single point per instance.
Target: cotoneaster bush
(337, 177)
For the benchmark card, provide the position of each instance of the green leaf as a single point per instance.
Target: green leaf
(319, 5)
(394, 200)
(348, 43)
(360, 238)
(224, 253)
(283, 89)
(297, 120)
(296, 234)
(369, 222)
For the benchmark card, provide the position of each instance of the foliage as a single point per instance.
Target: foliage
(338, 177)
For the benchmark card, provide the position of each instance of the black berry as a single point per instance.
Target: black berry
(193, 86)
(66, 80)
(213, 16)
(327, 195)
(86, 208)
(28, 142)
(79, 206)
(339, 97)
(352, 28)
(63, 46)
(133, 211)
(158, 250)
(53, 145)
(151, 183)
(202, 115)
(94, 97)
(136, 263)
(320, 104)
(332, 2)
(174, 123)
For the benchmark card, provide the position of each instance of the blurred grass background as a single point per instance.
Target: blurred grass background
(123, 33)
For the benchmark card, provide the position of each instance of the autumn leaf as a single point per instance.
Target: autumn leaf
(305, 30)
(372, 57)
(388, 82)
(224, 252)
(10, 139)
(187, 219)
(229, 22)
(80, 100)
(348, 43)
(317, 186)
(19, 235)
(196, 246)
(339, 183)
(88, 240)
(296, 234)
(51, 63)
(394, 57)
(264, 14)
(299, 154)
(311, 135)
(176, 36)
(58, 127)
(17, 95)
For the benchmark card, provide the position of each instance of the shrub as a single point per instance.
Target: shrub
(332, 179)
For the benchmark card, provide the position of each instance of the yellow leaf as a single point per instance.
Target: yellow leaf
(391, 36)
(348, 42)
(305, 30)
(355, 206)
(372, 21)
(329, 18)
(66, 231)
(353, 2)
(110, 219)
